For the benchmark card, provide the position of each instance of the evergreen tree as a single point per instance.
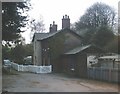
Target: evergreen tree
(12, 20)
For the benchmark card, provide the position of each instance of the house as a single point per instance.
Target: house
(72, 57)
(75, 61)
(41, 41)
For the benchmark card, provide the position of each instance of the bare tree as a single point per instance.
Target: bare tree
(96, 16)
(97, 24)
(36, 26)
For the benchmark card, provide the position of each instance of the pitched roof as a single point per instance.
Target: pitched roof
(42, 36)
(78, 49)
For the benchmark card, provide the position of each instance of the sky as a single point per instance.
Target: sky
(53, 10)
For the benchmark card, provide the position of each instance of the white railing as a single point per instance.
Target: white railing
(32, 68)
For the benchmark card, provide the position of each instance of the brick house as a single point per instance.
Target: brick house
(71, 41)
(41, 41)
(74, 62)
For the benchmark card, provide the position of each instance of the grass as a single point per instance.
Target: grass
(9, 71)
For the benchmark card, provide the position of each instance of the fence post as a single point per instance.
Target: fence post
(94, 73)
(109, 75)
(18, 67)
(88, 72)
(101, 73)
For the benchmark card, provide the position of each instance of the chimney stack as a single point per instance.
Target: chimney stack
(53, 27)
(65, 22)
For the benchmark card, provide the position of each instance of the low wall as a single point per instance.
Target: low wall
(32, 68)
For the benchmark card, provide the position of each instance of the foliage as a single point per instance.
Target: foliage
(96, 16)
(100, 36)
(97, 25)
(88, 36)
(36, 26)
(5, 52)
(13, 19)
(18, 53)
(113, 45)
(103, 36)
(9, 71)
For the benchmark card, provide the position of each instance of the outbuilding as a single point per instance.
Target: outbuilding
(75, 61)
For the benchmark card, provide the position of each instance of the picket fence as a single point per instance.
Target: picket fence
(32, 68)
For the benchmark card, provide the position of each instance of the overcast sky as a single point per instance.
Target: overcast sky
(53, 10)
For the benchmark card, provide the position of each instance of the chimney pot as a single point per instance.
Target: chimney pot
(53, 28)
(50, 25)
(68, 17)
(53, 22)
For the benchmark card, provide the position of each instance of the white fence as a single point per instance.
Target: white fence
(32, 68)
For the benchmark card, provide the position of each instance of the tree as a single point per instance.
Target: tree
(103, 36)
(28, 49)
(96, 16)
(36, 26)
(97, 24)
(5, 52)
(19, 52)
(13, 20)
(114, 45)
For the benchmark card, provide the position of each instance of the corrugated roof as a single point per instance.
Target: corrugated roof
(110, 57)
(78, 49)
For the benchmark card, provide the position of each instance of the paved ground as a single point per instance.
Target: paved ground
(30, 82)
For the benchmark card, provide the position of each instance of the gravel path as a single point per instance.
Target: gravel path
(30, 82)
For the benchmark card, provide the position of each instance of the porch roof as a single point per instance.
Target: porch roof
(77, 50)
